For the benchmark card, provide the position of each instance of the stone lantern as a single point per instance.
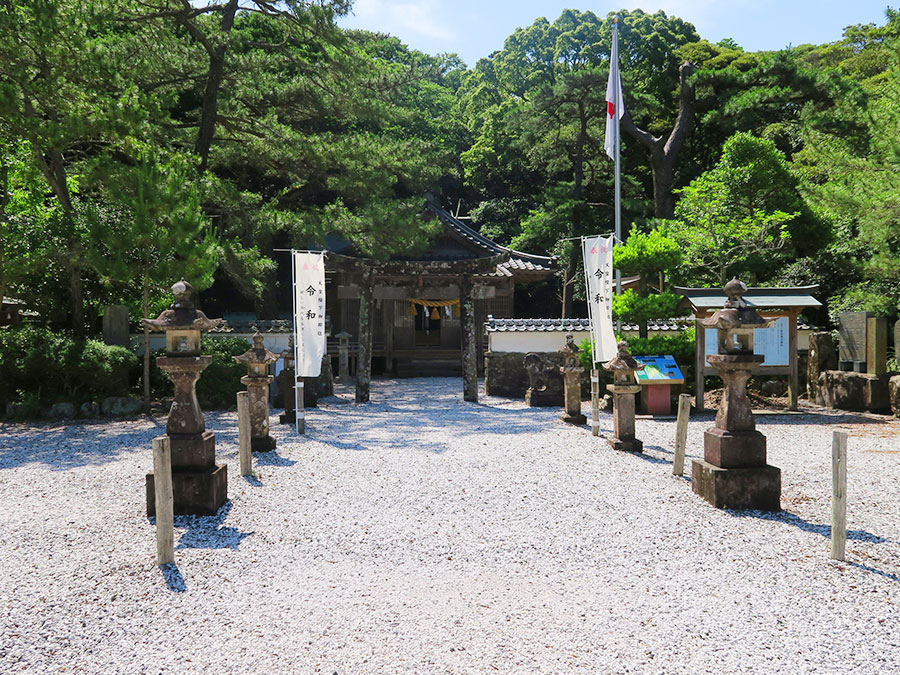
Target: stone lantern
(623, 389)
(571, 370)
(343, 355)
(199, 485)
(286, 385)
(734, 473)
(257, 379)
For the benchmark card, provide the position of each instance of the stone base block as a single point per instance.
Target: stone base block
(287, 417)
(543, 399)
(733, 449)
(262, 444)
(193, 452)
(757, 487)
(633, 445)
(195, 493)
(574, 419)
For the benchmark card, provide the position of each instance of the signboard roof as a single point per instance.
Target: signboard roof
(760, 298)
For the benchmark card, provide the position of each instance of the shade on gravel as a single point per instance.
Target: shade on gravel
(419, 533)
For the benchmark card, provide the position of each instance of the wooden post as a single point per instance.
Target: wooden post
(794, 378)
(165, 507)
(700, 367)
(838, 495)
(246, 455)
(301, 408)
(681, 428)
(595, 402)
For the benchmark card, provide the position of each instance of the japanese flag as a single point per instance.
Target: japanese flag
(615, 104)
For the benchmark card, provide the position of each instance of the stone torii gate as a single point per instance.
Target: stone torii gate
(395, 279)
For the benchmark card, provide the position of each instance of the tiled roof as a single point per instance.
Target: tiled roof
(518, 261)
(533, 325)
(543, 325)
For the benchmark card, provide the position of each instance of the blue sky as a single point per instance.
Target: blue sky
(475, 28)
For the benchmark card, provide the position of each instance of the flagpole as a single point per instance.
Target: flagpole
(618, 180)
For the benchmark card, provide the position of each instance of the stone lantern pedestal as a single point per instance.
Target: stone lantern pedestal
(571, 371)
(286, 385)
(257, 381)
(623, 390)
(199, 485)
(733, 473)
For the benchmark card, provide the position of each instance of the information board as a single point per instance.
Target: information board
(658, 370)
(771, 342)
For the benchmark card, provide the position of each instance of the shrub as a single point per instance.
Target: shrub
(41, 367)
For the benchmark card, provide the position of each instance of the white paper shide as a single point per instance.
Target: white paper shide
(309, 305)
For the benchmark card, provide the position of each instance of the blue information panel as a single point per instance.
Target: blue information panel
(658, 370)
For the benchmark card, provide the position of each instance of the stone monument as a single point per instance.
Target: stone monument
(543, 383)
(734, 473)
(822, 357)
(571, 370)
(257, 379)
(343, 356)
(623, 389)
(199, 485)
(286, 383)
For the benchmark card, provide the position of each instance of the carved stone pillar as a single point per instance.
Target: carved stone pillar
(624, 389)
(257, 380)
(571, 370)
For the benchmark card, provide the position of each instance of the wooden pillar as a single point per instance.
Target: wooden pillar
(165, 518)
(838, 495)
(794, 377)
(468, 339)
(388, 317)
(243, 406)
(364, 363)
(700, 361)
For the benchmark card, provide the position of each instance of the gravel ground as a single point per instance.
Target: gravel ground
(423, 534)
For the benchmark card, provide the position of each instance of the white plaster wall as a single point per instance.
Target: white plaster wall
(549, 341)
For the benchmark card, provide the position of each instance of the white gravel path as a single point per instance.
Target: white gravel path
(422, 534)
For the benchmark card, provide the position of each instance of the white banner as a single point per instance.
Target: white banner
(598, 272)
(309, 308)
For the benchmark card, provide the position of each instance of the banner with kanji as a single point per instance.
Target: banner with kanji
(598, 272)
(309, 305)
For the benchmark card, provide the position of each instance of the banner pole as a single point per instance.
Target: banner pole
(618, 178)
(296, 342)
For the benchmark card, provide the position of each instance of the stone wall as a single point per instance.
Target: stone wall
(894, 392)
(504, 374)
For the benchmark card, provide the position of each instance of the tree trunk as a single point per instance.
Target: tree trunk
(644, 291)
(664, 151)
(576, 227)
(210, 107)
(364, 362)
(53, 167)
(146, 309)
(469, 337)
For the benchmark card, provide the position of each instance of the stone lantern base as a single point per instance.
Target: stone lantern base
(199, 486)
(263, 443)
(734, 473)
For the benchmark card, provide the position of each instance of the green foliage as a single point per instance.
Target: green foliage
(682, 347)
(634, 308)
(45, 367)
(648, 253)
(739, 217)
